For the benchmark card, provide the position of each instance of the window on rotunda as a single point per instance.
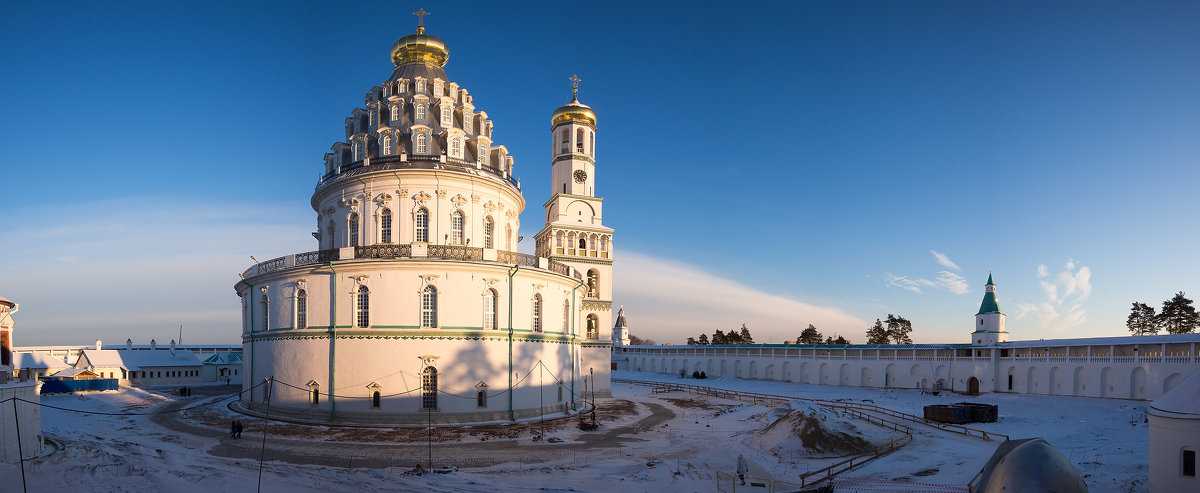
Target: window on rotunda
(483, 153)
(419, 109)
(488, 227)
(456, 149)
(566, 316)
(536, 316)
(422, 144)
(385, 226)
(447, 116)
(387, 145)
(266, 310)
(456, 228)
(301, 309)
(421, 223)
(429, 388)
(429, 307)
(352, 229)
(395, 112)
(362, 308)
(489, 309)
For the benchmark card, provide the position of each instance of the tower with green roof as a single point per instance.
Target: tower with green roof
(989, 321)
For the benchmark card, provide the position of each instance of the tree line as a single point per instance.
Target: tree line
(1178, 316)
(895, 330)
(734, 336)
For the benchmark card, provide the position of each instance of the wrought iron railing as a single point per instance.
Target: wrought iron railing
(272, 265)
(383, 251)
(455, 252)
(507, 257)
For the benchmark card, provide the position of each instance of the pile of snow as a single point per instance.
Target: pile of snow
(799, 428)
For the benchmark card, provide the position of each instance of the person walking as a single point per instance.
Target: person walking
(233, 429)
(239, 429)
(742, 468)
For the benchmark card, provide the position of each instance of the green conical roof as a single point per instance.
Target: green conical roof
(989, 304)
(989, 283)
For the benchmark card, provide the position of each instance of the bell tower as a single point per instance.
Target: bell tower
(575, 234)
(989, 322)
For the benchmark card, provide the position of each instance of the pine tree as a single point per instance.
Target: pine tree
(744, 335)
(877, 334)
(809, 336)
(841, 340)
(898, 329)
(719, 337)
(1142, 320)
(691, 341)
(1178, 315)
(703, 340)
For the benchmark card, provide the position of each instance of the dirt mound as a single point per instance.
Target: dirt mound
(801, 429)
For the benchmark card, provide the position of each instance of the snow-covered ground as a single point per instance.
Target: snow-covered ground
(661, 442)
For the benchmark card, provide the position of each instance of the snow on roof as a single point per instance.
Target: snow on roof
(1105, 341)
(224, 359)
(135, 360)
(72, 372)
(31, 360)
(1182, 401)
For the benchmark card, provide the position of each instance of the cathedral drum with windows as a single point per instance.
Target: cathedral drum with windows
(416, 306)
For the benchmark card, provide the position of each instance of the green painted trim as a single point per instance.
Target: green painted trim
(573, 157)
(582, 260)
(451, 327)
(395, 326)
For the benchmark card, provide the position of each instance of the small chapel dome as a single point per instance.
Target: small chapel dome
(574, 112)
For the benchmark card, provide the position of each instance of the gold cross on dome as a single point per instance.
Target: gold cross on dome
(420, 20)
(574, 83)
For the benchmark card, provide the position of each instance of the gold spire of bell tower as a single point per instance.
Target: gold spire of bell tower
(574, 87)
(421, 20)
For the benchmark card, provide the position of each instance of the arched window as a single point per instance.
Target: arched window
(566, 316)
(566, 141)
(385, 226)
(362, 308)
(593, 326)
(331, 231)
(489, 310)
(429, 307)
(488, 226)
(375, 399)
(592, 144)
(429, 388)
(456, 148)
(447, 116)
(421, 223)
(537, 313)
(483, 153)
(301, 309)
(579, 140)
(508, 237)
(421, 144)
(387, 145)
(481, 398)
(266, 316)
(593, 283)
(582, 244)
(314, 393)
(456, 228)
(352, 229)
(395, 112)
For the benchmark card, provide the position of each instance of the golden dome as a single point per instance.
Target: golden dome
(574, 112)
(420, 48)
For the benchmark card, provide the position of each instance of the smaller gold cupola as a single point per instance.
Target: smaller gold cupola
(574, 111)
(420, 48)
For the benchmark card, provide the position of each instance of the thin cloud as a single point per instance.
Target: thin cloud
(668, 301)
(1065, 293)
(947, 280)
(945, 261)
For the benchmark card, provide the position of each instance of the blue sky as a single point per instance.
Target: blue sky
(774, 164)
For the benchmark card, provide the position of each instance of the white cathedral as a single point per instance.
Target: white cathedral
(416, 305)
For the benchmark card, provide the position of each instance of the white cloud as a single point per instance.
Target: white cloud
(945, 279)
(668, 301)
(945, 261)
(1065, 293)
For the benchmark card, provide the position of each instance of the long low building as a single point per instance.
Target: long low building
(1134, 367)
